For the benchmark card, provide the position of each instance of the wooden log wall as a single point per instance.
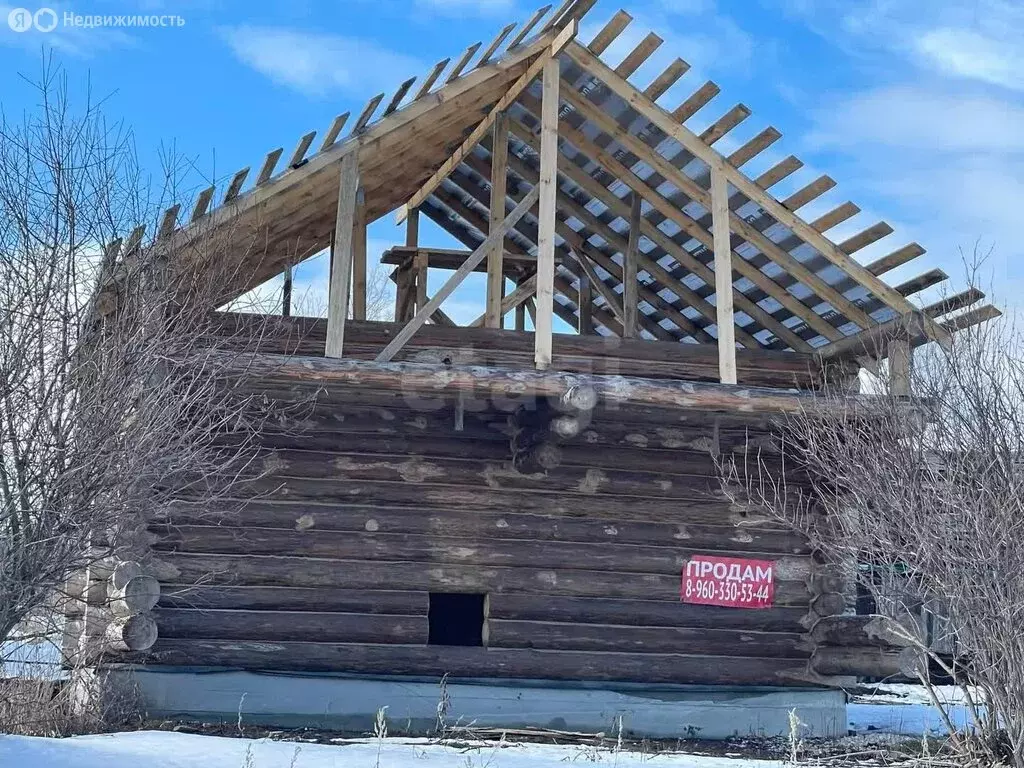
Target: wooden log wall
(370, 503)
(503, 348)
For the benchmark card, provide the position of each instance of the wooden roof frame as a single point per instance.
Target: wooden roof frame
(708, 254)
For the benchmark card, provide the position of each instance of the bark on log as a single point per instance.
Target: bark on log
(280, 571)
(132, 633)
(538, 459)
(322, 626)
(828, 604)
(460, 662)
(372, 601)
(450, 521)
(669, 558)
(864, 661)
(543, 635)
(139, 594)
(516, 386)
(640, 613)
(858, 631)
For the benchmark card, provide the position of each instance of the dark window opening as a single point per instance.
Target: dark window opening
(456, 619)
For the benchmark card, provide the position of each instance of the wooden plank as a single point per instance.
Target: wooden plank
(558, 16)
(630, 297)
(460, 65)
(269, 163)
(865, 238)
(609, 32)
(754, 147)
(635, 58)
(168, 222)
(300, 150)
(427, 189)
(396, 100)
(334, 131)
(806, 194)
(286, 292)
(525, 289)
(585, 304)
(493, 316)
(611, 300)
(772, 207)
(364, 117)
(468, 662)
(453, 282)
(451, 258)
(547, 185)
(202, 203)
(427, 84)
(695, 101)
(836, 216)
(899, 355)
(725, 123)
(236, 185)
(723, 278)
(528, 27)
(666, 79)
(134, 241)
(785, 167)
(342, 255)
(321, 627)
(495, 43)
(359, 259)
(895, 259)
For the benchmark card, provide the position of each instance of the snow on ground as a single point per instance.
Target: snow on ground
(161, 749)
(906, 710)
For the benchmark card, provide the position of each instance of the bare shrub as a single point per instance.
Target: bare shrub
(114, 400)
(920, 499)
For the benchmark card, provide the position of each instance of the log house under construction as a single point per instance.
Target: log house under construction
(514, 507)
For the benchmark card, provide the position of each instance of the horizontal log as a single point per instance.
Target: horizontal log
(711, 508)
(131, 633)
(864, 661)
(373, 601)
(320, 627)
(123, 572)
(512, 385)
(138, 595)
(563, 636)
(266, 513)
(350, 545)
(641, 613)
(255, 570)
(860, 631)
(435, 661)
(570, 351)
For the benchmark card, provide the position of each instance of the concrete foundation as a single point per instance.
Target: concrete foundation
(350, 704)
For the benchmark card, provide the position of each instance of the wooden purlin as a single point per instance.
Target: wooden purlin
(744, 185)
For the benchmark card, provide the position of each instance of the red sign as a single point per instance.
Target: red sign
(734, 582)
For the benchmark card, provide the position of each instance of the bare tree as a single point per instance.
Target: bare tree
(920, 499)
(113, 400)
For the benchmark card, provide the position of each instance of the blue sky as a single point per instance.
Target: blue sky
(916, 108)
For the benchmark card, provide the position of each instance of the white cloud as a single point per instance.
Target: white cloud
(927, 119)
(968, 54)
(320, 64)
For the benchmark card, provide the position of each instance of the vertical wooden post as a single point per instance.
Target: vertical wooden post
(286, 292)
(341, 255)
(521, 316)
(723, 277)
(899, 367)
(495, 273)
(586, 302)
(420, 265)
(405, 296)
(359, 259)
(548, 184)
(631, 289)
